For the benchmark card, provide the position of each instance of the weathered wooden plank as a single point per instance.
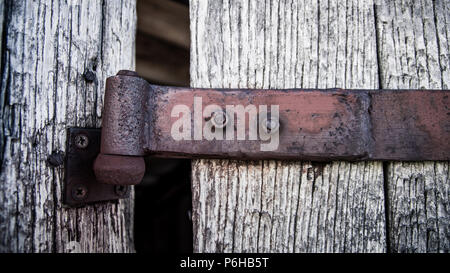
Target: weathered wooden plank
(2, 15)
(49, 47)
(414, 53)
(285, 206)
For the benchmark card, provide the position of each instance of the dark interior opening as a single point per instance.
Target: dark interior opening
(162, 219)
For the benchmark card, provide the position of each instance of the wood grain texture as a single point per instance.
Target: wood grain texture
(285, 206)
(49, 45)
(413, 39)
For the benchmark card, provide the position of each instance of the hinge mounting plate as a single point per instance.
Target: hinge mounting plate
(81, 186)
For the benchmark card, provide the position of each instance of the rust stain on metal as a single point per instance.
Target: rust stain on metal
(313, 124)
(319, 125)
(119, 170)
(124, 115)
(411, 125)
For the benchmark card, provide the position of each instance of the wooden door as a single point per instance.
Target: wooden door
(293, 206)
(56, 56)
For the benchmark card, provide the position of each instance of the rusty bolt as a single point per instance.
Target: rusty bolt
(81, 141)
(120, 190)
(219, 119)
(271, 125)
(79, 192)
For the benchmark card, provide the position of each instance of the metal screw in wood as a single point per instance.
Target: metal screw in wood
(81, 141)
(79, 192)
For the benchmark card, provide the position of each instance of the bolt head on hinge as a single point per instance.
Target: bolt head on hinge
(219, 119)
(270, 125)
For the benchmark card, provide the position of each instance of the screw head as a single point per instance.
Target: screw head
(79, 192)
(271, 125)
(219, 119)
(121, 190)
(81, 141)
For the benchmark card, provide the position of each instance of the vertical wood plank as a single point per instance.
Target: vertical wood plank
(414, 53)
(285, 206)
(49, 46)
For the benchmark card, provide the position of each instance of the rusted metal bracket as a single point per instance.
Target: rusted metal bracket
(81, 186)
(141, 119)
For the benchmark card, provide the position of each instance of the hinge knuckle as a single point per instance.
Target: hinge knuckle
(124, 115)
(120, 161)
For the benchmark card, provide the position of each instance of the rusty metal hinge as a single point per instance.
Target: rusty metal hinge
(141, 119)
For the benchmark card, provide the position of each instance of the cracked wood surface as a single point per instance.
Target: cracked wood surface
(49, 45)
(286, 206)
(414, 44)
